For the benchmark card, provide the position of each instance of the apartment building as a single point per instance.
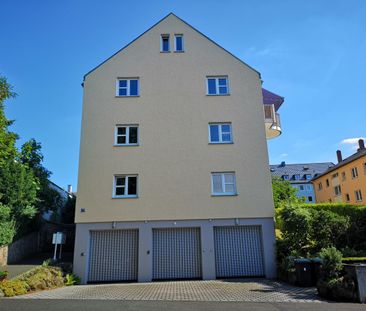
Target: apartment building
(300, 176)
(173, 179)
(346, 181)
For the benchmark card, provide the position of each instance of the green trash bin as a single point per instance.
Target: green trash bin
(303, 272)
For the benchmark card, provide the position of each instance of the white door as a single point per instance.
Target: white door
(238, 251)
(113, 255)
(177, 253)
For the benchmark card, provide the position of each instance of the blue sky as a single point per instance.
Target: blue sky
(311, 52)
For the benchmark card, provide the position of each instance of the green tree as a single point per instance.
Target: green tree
(18, 184)
(283, 193)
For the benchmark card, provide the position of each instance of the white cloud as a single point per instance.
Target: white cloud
(352, 142)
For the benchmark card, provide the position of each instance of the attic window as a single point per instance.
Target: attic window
(165, 44)
(179, 43)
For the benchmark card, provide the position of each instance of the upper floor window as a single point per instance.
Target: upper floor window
(125, 186)
(127, 87)
(223, 183)
(343, 176)
(165, 43)
(126, 135)
(217, 86)
(320, 186)
(297, 176)
(354, 172)
(358, 195)
(337, 190)
(302, 187)
(220, 133)
(307, 176)
(327, 182)
(285, 177)
(179, 43)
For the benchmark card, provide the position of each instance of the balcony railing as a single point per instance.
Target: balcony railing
(272, 121)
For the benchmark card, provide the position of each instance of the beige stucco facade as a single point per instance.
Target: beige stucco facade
(174, 159)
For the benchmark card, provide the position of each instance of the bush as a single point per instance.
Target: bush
(296, 228)
(43, 277)
(331, 263)
(3, 275)
(72, 279)
(12, 288)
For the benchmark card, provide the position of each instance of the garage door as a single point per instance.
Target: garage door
(113, 255)
(238, 251)
(176, 253)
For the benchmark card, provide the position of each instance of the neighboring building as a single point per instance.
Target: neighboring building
(56, 215)
(346, 181)
(172, 176)
(300, 175)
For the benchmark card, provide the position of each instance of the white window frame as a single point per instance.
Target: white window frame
(115, 196)
(223, 184)
(175, 43)
(220, 124)
(358, 195)
(354, 172)
(128, 88)
(164, 35)
(127, 126)
(217, 93)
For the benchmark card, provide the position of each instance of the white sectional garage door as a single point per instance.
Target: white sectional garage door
(238, 251)
(177, 253)
(113, 255)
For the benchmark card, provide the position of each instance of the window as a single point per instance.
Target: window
(127, 87)
(217, 86)
(220, 133)
(164, 44)
(297, 176)
(327, 182)
(335, 175)
(307, 176)
(301, 187)
(310, 199)
(125, 186)
(285, 177)
(223, 183)
(358, 195)
(364, 168)
(343, 176)
(320, 186)
(337, 190)
(126, 135)
(347, 197)
(179, 43)
(354, 172)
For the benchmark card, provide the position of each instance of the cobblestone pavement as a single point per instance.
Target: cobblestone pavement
(225, 290)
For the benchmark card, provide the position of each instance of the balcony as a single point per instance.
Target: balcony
(272, 122)
(271, 103)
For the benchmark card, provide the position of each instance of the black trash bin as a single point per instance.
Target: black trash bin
(303, 272)
(315, 270)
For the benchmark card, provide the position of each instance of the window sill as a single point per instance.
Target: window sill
(126, 96)
(221, 143)
(164, 51)
(218, 94)
(225, 195)
(125, 197)
(179, 51)
(130, 145)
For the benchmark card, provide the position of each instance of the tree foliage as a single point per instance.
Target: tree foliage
(283, 193)
(24, 186)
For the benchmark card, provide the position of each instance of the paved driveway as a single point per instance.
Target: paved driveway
(246, 290)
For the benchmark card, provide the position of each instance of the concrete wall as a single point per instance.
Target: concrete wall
(81, 256)
(174, 160)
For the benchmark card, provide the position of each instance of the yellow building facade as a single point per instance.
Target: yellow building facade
(346, 181)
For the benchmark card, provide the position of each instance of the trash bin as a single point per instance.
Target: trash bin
(303, 272)
(315, 270)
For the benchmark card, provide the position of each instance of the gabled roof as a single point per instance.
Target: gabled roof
(270, 98)
(171, 14)
(300, 169)
(359, 154)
